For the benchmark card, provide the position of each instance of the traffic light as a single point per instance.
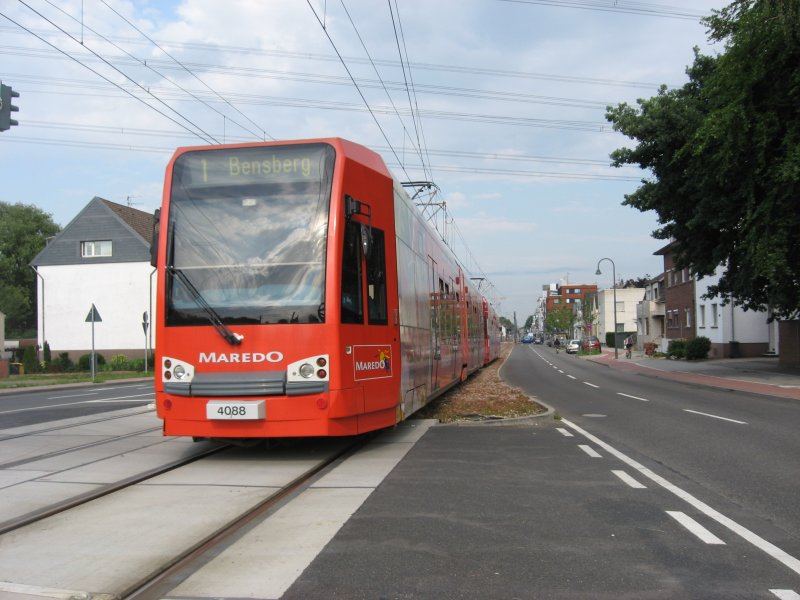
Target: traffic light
(6, 108)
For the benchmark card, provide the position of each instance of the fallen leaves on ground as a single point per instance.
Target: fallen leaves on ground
(483, 396)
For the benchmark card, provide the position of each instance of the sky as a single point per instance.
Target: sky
(500, 103)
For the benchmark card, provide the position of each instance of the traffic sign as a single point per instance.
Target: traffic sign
(93, 316)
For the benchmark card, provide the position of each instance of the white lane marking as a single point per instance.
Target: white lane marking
(560, 371)
(589, 450)
(572, 376)
(629, 480)
(591, 384)
(697, 412)
(33, 408)
(119, 401)
(564, 432)
(768, 547)
(786, 594)
(71, 396)
(695, 527)
(634, 397)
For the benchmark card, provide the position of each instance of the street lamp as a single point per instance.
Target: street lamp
(614, 287)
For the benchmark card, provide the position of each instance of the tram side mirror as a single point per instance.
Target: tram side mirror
(154, 242)
(366, 239)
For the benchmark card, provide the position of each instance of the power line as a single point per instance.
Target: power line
(383, 84)
(417, 65)
(619, 6)
(360, 93)
(103, 76)
(190, 72)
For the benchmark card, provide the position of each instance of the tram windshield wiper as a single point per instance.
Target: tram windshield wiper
(234, 339)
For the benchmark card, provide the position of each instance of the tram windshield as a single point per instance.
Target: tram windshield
(248, 230)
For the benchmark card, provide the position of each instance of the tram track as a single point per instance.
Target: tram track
(164, 580)
(70, 503)
(85, 526)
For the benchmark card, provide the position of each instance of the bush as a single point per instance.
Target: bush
(85, 361)
(609, 339)
(47, 357)
(676, 349)
(62, 364)
(119, 362)
(30, 361)
(698, 348)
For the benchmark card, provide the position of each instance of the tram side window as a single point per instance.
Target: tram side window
(376, 280)
(352, 300)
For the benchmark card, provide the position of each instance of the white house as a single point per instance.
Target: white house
(101, 258)
(733, 331)
(627, 301)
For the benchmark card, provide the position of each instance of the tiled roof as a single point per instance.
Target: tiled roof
(140, 221)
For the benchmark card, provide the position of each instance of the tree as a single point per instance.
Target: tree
(635, 282)
(529, 323)
(24, 231)
(559, 319)
(724, 154)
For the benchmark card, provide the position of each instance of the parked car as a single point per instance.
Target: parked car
(590, 344)
(573, 346)
(527, 338)
(538, 340)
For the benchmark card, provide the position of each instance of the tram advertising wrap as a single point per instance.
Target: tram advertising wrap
(300, 293)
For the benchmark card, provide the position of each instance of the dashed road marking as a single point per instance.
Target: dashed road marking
(693, 526)
(769, 548)
(634, 397)
(589, 450)
(697, 412)
(564, 432)
(786, 594)
(629, 480)
(591, 384)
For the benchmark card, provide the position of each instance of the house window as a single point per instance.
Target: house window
(620, 306)
(714, 315)
(96, 248)
(688, 313)
(701, 316)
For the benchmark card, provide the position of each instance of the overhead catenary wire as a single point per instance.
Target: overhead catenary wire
(190, 72)
(205, 136)
(360, 93)
(375, 68)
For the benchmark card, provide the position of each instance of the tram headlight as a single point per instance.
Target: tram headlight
(176, 370)
(306, 370)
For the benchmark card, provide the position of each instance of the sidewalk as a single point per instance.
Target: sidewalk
(756, 375)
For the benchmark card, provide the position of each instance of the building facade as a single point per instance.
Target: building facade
(101, 259)
(733, 331)
(679, 297)
(651, 316)
(627, 300)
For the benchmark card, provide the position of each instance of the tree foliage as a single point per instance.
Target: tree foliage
(559, 319)
(723, 152)
(24, 230)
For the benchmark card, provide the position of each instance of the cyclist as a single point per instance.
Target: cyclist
(628, 347)
(557, 344)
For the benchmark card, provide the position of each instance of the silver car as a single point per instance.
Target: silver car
(573, 346)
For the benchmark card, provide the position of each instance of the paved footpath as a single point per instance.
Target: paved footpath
(756, 375)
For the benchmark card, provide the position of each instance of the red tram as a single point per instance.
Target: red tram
(300, 293)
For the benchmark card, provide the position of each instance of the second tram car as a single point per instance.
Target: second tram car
(302, 294)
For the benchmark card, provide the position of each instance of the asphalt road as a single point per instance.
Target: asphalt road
(28, 407)
(736, 451)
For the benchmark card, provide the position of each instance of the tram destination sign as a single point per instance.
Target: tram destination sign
(245, 166)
